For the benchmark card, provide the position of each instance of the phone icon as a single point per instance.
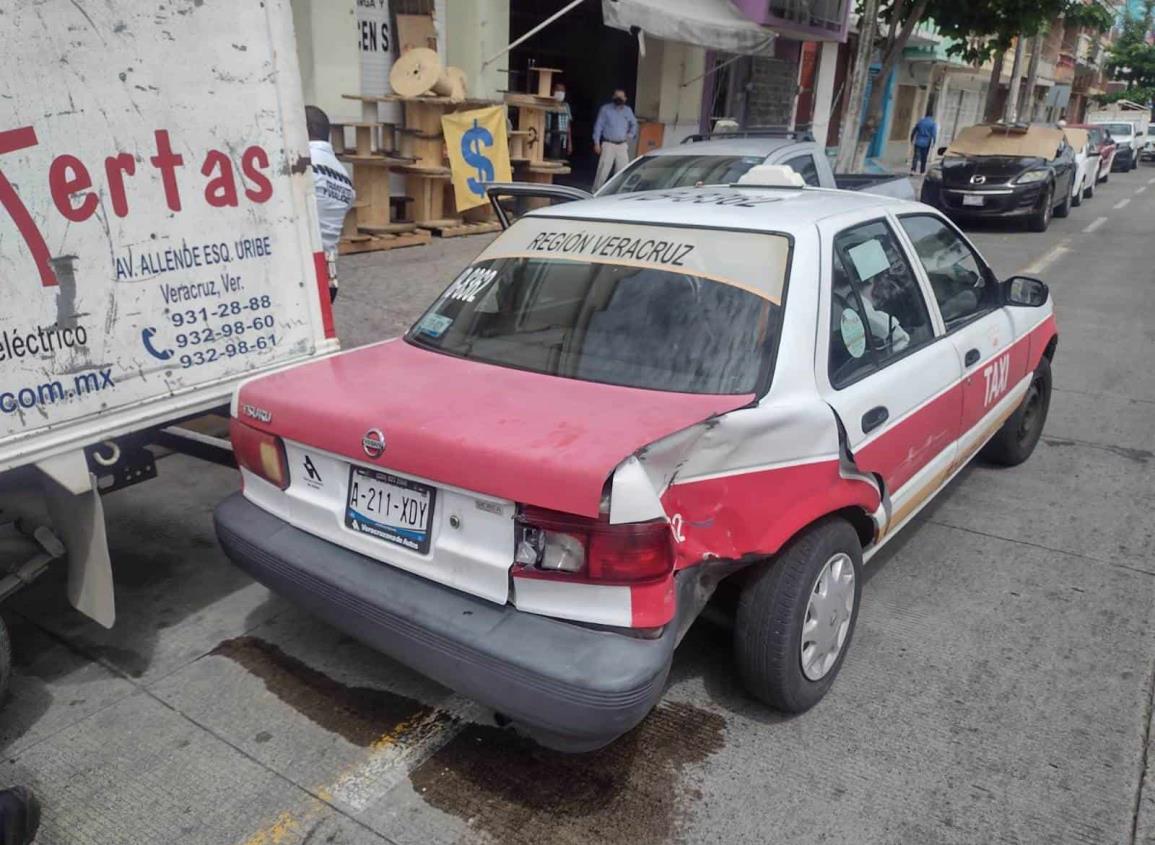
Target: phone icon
(146, 337)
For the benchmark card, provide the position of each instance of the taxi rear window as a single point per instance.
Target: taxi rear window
(628, 322)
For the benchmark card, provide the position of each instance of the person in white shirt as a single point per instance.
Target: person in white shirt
(332, 187)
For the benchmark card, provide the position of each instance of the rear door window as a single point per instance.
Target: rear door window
(879, 312)
(805, 167)
(681, 310)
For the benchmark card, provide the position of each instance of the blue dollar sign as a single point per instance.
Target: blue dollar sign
(471, 143)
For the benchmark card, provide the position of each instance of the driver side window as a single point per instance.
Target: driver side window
(878, 312)
(962, 285)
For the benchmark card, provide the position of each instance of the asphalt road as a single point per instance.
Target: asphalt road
(999, 687)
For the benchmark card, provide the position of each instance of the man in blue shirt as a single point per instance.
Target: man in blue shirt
(922, 136)
(615, 127)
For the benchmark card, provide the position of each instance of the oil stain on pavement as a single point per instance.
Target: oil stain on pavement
(361, 715)
(515, 791)
(503, 785)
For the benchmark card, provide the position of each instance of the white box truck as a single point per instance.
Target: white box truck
(158, 245)
(1128, 124)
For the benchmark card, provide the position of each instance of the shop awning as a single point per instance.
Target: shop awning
(714, 24)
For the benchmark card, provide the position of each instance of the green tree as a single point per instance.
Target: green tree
(979, 28)
(1132, 59)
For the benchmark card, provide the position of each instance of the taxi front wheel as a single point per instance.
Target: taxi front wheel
(1016, 440)
(796, 617)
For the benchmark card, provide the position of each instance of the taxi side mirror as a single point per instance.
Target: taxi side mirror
(1025, 291)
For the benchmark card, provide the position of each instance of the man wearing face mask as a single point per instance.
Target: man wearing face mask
(615, 127)
(560, 133)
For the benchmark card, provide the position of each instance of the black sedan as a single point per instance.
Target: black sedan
(1000, 170)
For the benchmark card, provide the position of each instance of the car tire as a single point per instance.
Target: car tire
(1016, 440)
(1089, 190)
(1077, 196)
(777, 610)
(1041, 218)
(1064, 209)
(1106, 176)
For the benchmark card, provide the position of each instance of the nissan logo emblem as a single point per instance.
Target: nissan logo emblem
(373, 443)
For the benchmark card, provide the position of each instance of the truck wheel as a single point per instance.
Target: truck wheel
(1017, 439)
(796, 617)
(1041, 219)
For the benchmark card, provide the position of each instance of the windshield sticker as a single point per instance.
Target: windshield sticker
(470, 283)
(869, 259)
(434, 325)
(650, 250)
(853, 332)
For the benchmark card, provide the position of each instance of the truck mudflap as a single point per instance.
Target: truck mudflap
(571, 687)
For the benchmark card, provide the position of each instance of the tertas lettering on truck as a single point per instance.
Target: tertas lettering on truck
(76, 199)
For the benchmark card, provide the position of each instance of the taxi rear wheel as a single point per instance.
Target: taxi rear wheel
(1017, 439)
(796, 617)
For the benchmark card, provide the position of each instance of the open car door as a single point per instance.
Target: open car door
(510, 200)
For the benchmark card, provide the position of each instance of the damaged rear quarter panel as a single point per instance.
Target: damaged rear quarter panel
(754, 478)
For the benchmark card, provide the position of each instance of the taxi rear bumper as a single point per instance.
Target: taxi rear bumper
(575, 688)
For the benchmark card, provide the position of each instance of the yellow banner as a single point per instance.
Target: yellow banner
(478, 153)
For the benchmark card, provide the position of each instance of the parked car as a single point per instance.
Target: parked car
(1127, 144)
(722, 158)
(1105, 146)
(1001, 170)
(1086, 163)
(621, 403)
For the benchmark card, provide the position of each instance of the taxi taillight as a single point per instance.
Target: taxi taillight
(259, 452)
(554, 544)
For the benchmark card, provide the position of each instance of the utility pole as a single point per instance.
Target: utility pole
(852, 122)
(1028, 107)
(993, 88)
(1011, 112)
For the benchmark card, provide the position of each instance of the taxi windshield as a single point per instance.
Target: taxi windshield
(657, 172)
(634, 326)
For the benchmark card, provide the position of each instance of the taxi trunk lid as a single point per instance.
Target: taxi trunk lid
(516, 435)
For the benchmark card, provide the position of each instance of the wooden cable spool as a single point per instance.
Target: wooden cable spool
(420, 71)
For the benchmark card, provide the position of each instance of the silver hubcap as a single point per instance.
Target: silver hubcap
(827, 619)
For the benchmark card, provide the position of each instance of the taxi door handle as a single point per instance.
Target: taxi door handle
(873, 418)
(972, 357)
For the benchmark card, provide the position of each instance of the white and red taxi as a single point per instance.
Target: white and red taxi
(622, 402)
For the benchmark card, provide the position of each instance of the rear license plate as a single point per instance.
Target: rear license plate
(973, 199)
(390, 508)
